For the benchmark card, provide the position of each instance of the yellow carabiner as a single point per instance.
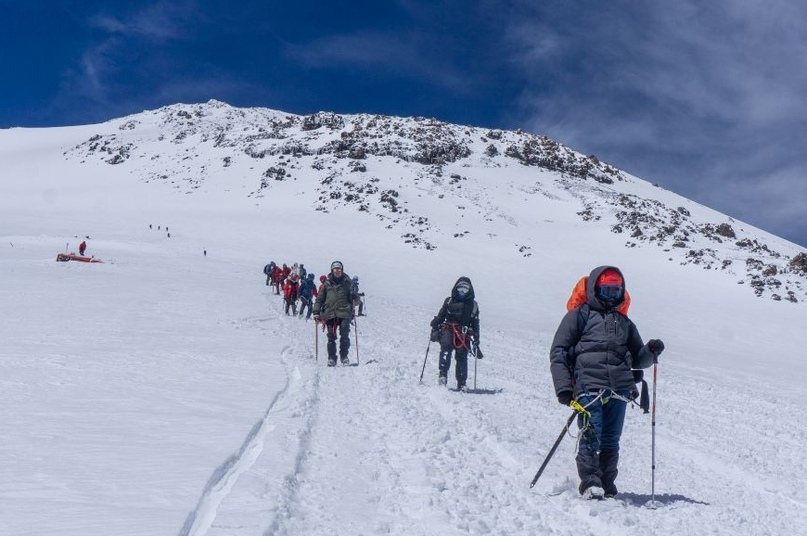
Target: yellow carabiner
(585, 416)
(579, 409)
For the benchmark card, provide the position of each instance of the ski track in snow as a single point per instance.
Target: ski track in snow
(227, 474)
(226, 505)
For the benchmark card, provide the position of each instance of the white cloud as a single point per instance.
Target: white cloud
(160, 21)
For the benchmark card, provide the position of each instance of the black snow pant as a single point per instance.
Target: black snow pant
(343, 325)
(460, 356)
(291, 303)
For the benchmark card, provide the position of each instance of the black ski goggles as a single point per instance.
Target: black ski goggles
(610, 292)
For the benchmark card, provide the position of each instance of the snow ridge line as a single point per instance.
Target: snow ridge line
(226, 475)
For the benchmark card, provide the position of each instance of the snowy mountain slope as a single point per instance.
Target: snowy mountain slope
(164, 392)
(377, 164)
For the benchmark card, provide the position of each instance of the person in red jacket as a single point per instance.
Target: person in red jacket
(277, 279)
(82, 247)
(291, 291)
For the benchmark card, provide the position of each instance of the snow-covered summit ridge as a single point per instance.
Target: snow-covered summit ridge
(381, 165)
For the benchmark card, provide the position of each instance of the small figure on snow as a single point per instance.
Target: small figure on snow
(278, 276)
(308, 291)
(291, 293)
(594, 349)
(334, 306)
(269, 270)
(359, 295)
(457, 329)
(82, 247)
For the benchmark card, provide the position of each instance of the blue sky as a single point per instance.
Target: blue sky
(704, 98)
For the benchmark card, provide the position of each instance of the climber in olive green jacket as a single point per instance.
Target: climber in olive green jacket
(334, 308)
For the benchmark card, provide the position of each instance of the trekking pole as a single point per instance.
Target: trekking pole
(576, 408)
(428, 347)
(653, 438)
(356, 329)
(476, 349)
(316, 341)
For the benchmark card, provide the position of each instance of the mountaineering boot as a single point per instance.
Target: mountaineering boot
(588, 469)
(593, 493)
(461, 387)
(345, 360)
(331, 361)
(609, 459)
(442, 380)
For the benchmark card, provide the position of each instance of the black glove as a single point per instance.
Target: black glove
(565, 397)
(479, 354)
(316, 318)
(434, 323)
(655, 346)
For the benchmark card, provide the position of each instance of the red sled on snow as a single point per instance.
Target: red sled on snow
(64, 257)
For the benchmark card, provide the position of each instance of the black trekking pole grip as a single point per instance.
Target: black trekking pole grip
(553, 449)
